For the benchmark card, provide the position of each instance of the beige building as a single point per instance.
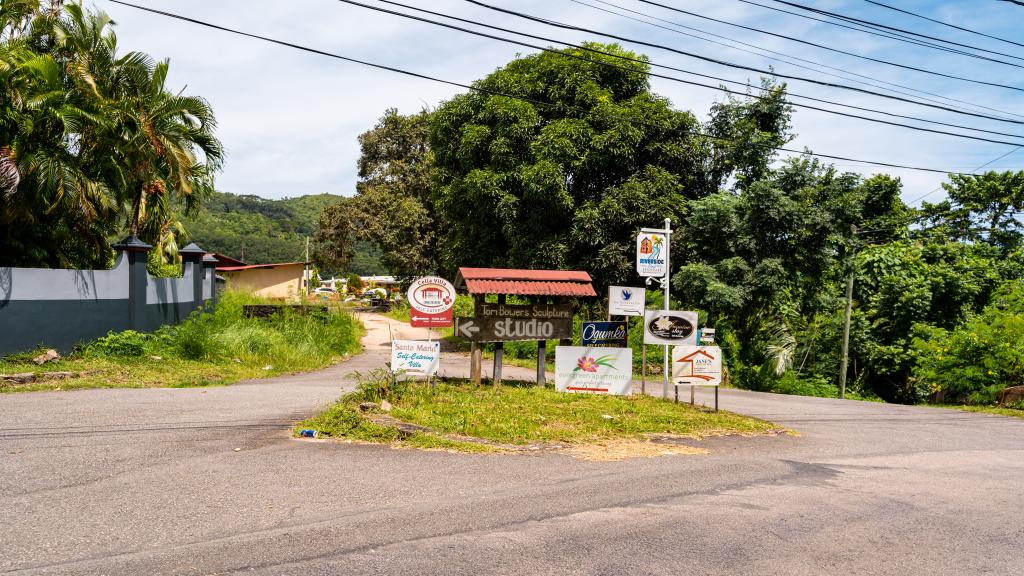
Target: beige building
(267, 280)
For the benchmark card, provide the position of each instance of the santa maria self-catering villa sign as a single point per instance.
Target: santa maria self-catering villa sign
(650, 254)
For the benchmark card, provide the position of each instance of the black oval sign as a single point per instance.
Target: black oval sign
(670, 327)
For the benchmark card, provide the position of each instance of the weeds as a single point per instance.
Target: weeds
(211, 348)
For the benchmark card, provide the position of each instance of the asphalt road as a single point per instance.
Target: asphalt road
(150, 482)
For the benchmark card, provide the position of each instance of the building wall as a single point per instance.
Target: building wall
(62, 308)
(277, 282)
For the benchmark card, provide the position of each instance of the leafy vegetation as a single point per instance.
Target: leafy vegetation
(513, 414)
(101, 144)
(566, 177)
(210, 348)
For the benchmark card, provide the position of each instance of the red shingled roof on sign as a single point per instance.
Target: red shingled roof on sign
(526, 282)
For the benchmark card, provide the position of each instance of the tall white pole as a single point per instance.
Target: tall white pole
(664, 288)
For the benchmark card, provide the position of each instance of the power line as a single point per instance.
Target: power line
(878, 60)
(993, 161)
(655, 75)
(733, 64)
(782, 54)
(483, 90)
(884, 5)
(886, 27)
(880, 33)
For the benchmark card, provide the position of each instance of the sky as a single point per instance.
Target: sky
(290, 119)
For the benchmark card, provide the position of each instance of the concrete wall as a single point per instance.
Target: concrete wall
(276, 282)
(61, 308)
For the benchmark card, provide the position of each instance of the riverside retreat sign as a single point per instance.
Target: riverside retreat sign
(626, 301)
(697, 365)
(430, 301)
(608, 334)
(669, 327)
(651, 258)
(415, 357)
(584, 370)
(511, 322)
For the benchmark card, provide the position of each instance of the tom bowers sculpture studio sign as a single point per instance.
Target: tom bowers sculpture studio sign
(510, 322)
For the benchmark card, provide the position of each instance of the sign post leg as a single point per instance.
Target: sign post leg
(499, 353)
(692, 395)
(643, 369)
(475, 360)
(716, 398)
(665, 288)
(542, 348)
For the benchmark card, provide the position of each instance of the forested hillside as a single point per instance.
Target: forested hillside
(260, 231)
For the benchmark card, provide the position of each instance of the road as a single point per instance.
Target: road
(208, 481)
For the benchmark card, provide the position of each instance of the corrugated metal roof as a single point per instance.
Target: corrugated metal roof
(572, 283)
(524, 288)
(532, 275)
(255, 266)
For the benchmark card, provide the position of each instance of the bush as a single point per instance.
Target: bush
(977, 360)
(122, 344)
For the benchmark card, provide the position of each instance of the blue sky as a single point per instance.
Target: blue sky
(290, 119)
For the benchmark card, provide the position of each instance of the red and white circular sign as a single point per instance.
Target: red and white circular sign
(431, 295)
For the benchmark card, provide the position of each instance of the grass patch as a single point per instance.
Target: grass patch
(1015, 410)
(518, 415)
(211, 348)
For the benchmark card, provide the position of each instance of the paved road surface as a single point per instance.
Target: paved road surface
(149, 482)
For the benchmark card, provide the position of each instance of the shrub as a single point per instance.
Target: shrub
(379, 385)
(124, 344)
(975, 361)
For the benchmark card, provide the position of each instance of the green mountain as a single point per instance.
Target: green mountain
(262, 231)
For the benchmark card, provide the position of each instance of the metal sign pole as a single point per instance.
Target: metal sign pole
(664, 287)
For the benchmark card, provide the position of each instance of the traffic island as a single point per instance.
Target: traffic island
(457, 415)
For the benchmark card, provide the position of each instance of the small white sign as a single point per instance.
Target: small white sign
(431, 295)
(415, 357)
(697, 365)
(670, 327)
(650, 254)
(625, 301)
(583, 370)
(707, 336)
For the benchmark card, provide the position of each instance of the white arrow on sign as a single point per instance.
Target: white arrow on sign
(468, 329)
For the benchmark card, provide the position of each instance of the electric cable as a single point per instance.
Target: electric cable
(822, 46)
(782, 54)
(655, 75)
(923, 17)
(993, 161)
(874, 32)
(887, 27)
(723, 62)
(483, 90)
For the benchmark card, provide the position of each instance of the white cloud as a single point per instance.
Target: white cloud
(290, 119)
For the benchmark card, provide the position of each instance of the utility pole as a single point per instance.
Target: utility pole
(844, 365)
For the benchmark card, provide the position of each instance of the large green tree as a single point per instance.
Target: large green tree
(102, 146)
(563, 170)
(393, 207)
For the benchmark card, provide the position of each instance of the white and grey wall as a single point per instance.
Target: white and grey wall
(62, 308)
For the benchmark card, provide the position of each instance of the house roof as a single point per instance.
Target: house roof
(526, 282)
(223, 260)
(255, 266)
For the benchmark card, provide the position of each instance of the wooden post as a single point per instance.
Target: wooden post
(476, 352)
(499, 353)
(542, 348)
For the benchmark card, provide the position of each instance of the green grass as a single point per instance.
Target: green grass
(1016, 411)
(214, 348)
(518, 415)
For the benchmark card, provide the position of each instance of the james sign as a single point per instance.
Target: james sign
(431, 299)
(697, 365)
(594, 370)
(650, 254)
